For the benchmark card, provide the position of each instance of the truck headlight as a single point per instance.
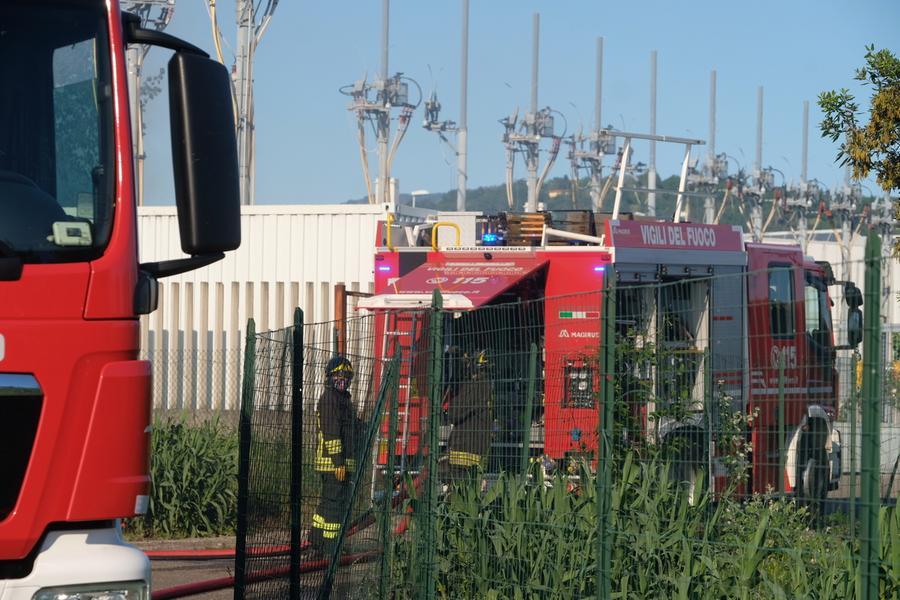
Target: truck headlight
(127, 590)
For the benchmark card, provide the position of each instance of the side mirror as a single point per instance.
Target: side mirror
(854, 327)
(204, 155)
(852, 295)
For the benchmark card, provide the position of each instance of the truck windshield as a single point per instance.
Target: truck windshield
(56, 162)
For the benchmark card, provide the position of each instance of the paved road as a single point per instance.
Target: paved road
(168, 574)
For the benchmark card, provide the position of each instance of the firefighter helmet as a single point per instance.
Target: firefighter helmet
(339, 368)
(477, 361)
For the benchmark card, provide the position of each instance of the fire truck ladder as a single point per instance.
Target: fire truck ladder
(403, 327)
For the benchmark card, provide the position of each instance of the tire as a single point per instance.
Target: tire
(812, 489)
(688, 471)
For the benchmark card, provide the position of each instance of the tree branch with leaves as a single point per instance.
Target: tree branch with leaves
(872, 147)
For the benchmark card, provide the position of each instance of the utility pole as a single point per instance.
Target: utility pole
(598, 142)
(372, 103)
(531, 150)
(651, 170)
(462, 135)
(156, 15)
(251, 25)
(705, 183)
(383, 131)
(804, 183)
(844, 205)
(709, 208)
(434, 124)
(537, 125)
(759, 181)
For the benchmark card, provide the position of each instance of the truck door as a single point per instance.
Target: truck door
(819, 340)
(777, 357)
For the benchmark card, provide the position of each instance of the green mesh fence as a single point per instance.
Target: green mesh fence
(697, 434)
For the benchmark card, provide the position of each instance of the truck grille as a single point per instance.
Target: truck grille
(21, 399)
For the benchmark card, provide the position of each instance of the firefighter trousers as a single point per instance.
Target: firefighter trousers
(333, 503)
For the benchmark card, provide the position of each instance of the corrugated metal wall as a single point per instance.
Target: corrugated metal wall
(290, 256)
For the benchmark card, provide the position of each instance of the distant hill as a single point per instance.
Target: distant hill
(558, 194)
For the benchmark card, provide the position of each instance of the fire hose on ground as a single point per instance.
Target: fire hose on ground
(190, 589)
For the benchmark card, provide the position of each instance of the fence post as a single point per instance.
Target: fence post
(244, 436)
(529, 406)
(870, 544)
(296, 450)
(781, 423)
(606, 406)
(854, 411)
(387, 545)
(435, 387)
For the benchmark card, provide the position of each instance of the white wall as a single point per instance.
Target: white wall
(290, 256)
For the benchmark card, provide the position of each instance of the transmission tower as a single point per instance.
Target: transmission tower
(154, 14)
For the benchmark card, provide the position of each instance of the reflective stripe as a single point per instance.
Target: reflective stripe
(324, 464)
(464, 459)
(334, 446)
(319, 522)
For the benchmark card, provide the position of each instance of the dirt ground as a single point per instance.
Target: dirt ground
(167, 574)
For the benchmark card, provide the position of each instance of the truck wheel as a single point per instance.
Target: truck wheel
(689, 475)
(813, 485)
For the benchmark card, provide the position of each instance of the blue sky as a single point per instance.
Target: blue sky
(306, 141)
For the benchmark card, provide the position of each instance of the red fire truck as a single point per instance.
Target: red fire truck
(751, 320)
(74, 397)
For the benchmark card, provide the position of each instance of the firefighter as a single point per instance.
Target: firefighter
(471, 415)
(335, 462)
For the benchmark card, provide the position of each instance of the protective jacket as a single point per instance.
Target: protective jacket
(472, 418)
(335, 431)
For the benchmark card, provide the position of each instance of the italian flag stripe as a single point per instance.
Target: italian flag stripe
(579, 314)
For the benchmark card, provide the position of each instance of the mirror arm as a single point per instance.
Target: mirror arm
(135, 34)
(167, 268)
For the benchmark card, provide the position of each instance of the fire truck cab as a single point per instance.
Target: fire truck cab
(75, 402)
(709, 325)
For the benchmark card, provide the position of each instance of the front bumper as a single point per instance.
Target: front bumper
(79, 557)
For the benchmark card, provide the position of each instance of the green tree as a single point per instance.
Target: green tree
(872, 147)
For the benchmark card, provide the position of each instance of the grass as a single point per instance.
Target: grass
(193, 490)
(521, 540)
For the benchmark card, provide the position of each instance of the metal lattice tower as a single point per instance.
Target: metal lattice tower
(156, 15)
